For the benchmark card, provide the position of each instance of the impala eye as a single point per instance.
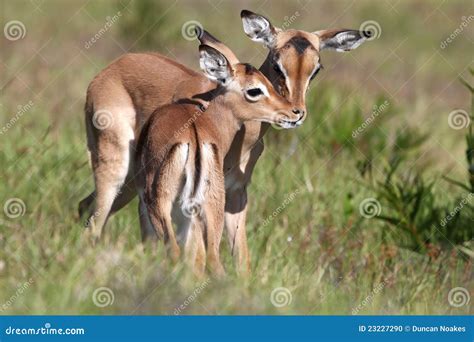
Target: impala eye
(254, 92)
(277, 69)
(316, 72)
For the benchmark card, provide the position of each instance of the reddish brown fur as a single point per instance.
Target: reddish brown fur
(135, 84)
(160, 171)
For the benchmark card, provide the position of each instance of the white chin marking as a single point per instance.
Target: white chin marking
(287, 125)
(290, 125)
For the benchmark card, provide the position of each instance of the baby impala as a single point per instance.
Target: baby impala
(180, 155)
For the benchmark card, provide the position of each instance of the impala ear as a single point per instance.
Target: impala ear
(215, 65)
(208, 39)
(341, 39)
(258, 28)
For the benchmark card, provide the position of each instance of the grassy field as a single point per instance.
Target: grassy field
(314, 248)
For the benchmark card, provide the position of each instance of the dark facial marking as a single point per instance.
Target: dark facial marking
(249, 70)
(300, 44)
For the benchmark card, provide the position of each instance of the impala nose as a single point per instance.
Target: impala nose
(299, 112)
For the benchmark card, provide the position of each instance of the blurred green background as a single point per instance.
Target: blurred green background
(320, 247)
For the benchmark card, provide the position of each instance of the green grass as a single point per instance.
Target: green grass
(330, 258)
(333, 262)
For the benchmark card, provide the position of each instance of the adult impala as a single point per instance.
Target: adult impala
(180, 157)
(130, 89)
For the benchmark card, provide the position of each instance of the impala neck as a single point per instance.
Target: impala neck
(226, 116)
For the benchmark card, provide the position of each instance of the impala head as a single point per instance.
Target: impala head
(294, 56)
(248, 92)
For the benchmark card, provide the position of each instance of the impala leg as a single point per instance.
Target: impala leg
(126, 195)
(159, 186)
(85, 205)
(159, 213)
(200, 257)
(110, 135)
(235, 218)
(239, 166)
(214, 218)
(194, 247)
(110, 171)
(146, 228)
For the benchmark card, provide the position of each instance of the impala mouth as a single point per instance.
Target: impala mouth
(284, 123)
(287, 124)
(286, 120)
